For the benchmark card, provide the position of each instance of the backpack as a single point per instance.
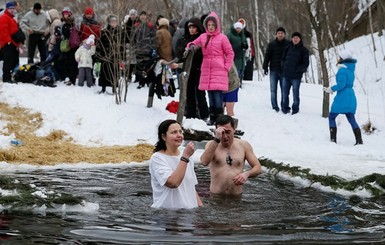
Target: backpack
(74, 40)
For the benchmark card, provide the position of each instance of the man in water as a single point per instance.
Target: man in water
(226, 157)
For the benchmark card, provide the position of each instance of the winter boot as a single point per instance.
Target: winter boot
(357, 134)
(333, 134)
(150, 101)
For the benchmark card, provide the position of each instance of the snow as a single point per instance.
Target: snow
(94, 119)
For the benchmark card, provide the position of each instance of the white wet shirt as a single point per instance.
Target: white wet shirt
(161, 167)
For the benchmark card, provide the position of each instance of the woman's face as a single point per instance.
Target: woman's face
(173, 136)
(211, 26)
(113, 23)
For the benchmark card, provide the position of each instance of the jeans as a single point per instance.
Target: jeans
(349, 116)
(215, 99)
(287, 83)
(275, 78)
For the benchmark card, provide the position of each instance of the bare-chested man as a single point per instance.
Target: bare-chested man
(226, 157)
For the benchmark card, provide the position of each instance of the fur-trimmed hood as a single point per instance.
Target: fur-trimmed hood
(214, 17)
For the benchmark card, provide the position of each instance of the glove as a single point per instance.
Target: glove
(193, 48)
(328, 90)
(265, 71)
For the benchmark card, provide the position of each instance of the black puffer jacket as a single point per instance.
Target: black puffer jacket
(295, 61)
(198, 57)
(274, 54)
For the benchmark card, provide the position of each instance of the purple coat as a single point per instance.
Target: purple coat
(218, 57)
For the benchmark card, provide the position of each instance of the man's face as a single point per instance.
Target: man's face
(89, 16)
(37, 11)
(11, 10)
(295, 40)
(280, 35)
(227, 135)
(143, 17)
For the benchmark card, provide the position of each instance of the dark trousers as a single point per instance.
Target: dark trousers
(11, 59)
(39, 41)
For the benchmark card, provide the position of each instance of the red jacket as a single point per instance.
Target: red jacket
(8, 27)
(90, 27)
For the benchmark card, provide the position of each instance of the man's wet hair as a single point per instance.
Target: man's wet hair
(225, 119)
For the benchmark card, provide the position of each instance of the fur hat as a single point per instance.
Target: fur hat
(345, 54)
(163, 22)
(238, 25)
(10, 5)
(296, 34)
(88, 11)
(280, 29)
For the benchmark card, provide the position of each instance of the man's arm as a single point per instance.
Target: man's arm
(209, 152)
(252, 160)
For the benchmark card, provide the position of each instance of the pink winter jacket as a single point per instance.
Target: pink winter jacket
(218, 57)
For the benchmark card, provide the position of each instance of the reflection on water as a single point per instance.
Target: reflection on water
(270, 211)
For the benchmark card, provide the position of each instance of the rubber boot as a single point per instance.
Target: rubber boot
(357, 134)
(333, 134)
(150, 101)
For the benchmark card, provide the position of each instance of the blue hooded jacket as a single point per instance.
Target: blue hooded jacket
(345, 100)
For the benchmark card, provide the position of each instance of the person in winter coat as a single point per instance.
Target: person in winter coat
(163, 40)
(9, 47)
(345, 101)
(36, 23)
(295, 61)
(218, 57)
(67, 66)
(273, 56)
(249, 53)
(54, 17)
(196, 103)
(144, 45)
(84, 58)
(178, 35)
(107, 53)
(238, 42)
(89, 25)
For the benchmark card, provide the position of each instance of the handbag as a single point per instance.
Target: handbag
(65, 45)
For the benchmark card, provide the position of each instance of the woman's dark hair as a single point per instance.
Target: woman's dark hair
(162, 130)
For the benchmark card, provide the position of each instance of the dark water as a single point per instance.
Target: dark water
(271, 211)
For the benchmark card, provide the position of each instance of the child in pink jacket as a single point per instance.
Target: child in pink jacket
(218, 57)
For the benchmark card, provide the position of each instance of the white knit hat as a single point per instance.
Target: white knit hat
(91, 39)
(345, 54)
(238, 25)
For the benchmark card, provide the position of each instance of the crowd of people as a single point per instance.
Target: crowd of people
(149, 50)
